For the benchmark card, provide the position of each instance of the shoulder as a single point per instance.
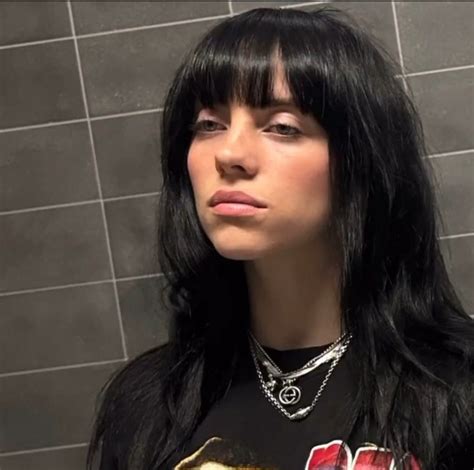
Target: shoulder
(457, 452)
(460, 456)
(453, 369)
(149, 362)
(125, 400)
(138, 379)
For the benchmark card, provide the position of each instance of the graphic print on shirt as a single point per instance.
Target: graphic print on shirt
(217, 453)
(324, 457)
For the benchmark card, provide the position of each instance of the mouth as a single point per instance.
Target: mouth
(234, 197)
(236, 209)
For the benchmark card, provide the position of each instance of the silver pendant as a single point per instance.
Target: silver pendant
(289, 395)
(301, 413)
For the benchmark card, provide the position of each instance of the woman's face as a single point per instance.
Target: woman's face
(236, 148)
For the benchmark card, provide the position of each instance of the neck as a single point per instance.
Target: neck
(294, 303)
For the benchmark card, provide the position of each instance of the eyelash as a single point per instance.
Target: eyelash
(195, 127)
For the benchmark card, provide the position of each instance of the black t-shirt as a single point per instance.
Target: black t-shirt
(244, 429)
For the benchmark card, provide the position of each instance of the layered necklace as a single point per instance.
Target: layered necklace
(289, 393)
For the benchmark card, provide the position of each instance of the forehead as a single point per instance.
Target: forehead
(280, 86)
(276, 101)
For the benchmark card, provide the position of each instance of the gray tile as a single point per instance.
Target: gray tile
(455, 191)
(145, 321)
(445, 101)
(131, 71)
(132, 228)
(436, 35)
(59, 327)
(50, 408)
(42, 84)
(33, 21)
(91, 17)
(377, 19)
(54, 459)
(46, 166)
(52, 247)
(459, 257)
(128, 153)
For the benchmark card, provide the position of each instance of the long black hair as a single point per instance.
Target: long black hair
(411, 335)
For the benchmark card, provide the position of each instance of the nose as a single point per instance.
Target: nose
(236, 150)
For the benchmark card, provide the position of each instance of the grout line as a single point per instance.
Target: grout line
(449, 69)
(79, 203)
(35, 43)
(231, 8)
(399, 45)
(97, 175)
(39, 126)
(53, 206)
(57, 287)
(132, 196)
(129, 113)
(78, 284)
(459, 235)
(60, 368)
(73, 121)
(143, 276)
(450, 154)
(151, 26)
(43, 449)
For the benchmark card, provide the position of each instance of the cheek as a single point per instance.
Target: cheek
(195, 169)
(307, 186)
(309, 181)
(200, 175)
(318, 185)
(190, 165)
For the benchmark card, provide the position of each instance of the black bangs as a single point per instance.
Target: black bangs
(237, 61)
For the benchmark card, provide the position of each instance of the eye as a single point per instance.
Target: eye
(198, 125)
(282, 126)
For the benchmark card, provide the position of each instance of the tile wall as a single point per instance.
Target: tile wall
(81, 91)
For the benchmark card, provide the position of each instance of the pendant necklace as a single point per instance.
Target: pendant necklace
(290, 393)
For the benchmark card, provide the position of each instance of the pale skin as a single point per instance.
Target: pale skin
(290, 258)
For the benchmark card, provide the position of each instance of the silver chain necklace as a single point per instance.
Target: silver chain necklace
(275, 372)
(291, 394)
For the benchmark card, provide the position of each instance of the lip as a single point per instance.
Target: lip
(239, 197)
(234, 209)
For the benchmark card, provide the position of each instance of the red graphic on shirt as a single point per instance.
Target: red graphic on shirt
(324, 457)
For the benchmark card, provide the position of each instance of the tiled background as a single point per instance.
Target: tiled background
(81, 90)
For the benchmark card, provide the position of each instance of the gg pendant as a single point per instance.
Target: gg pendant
(289, 394)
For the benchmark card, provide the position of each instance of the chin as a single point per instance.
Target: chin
(232, 249)
(237, 254)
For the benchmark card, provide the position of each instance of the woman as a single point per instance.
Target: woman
(314, 324)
